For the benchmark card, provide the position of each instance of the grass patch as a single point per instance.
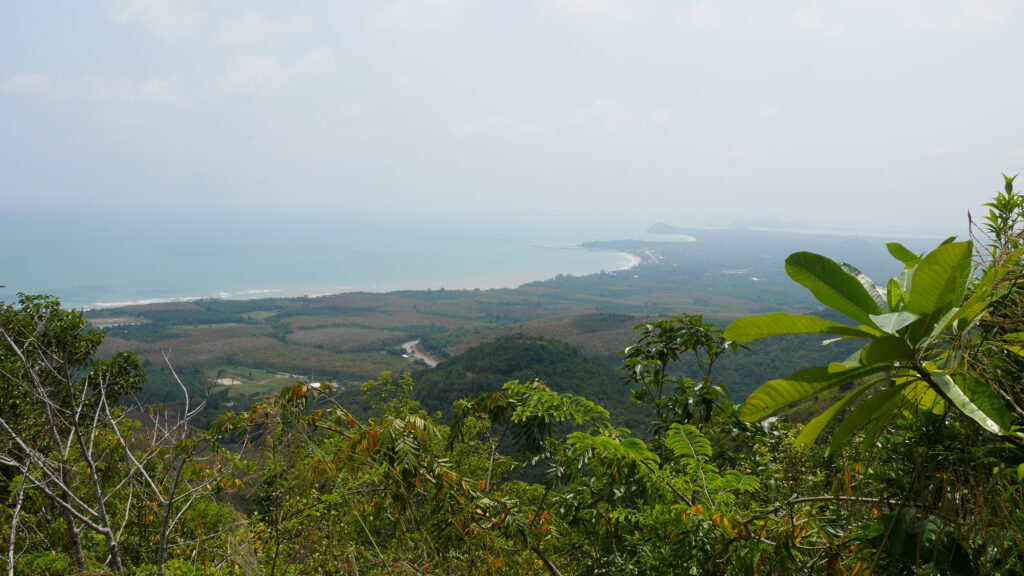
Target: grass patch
(258, 315)
(245, 381)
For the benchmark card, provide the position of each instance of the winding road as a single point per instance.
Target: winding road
(411, 348)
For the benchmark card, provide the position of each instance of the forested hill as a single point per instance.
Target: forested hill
(564, 368)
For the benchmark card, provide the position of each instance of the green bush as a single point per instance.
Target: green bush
(177, 567)
(44, 564)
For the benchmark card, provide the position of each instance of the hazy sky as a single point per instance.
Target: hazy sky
(860, 113)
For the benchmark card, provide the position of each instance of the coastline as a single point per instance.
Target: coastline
(467, 283)
(634, 261)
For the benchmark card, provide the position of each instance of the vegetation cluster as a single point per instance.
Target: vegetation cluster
(914, 465)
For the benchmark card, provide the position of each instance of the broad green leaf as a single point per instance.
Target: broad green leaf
(1019, 351)
(893, 321)
(901, 253)
(894, 295)
(975, 306)
(922, 398)
(898, 290)
(815, 427)
(875, 427)
(886, 350)
(879, 405)
(751, 328)
(940, 325)
(1014, 336)
(851, 361)
(775, 395)
(978, 402)
(832, 286)
(940, 278)
(873, 290)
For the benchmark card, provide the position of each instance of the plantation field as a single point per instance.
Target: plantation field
(351, 338)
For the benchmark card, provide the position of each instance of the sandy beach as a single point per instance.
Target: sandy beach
(634, 260)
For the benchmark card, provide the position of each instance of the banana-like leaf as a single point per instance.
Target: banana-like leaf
(874, 291)
(893, 321)
(901, 253)
(1019, 351)
(751, 328)
(775, 395)
(880, 405)
(945, 321)
(886, 350)
(904, 280)
(977, 401)
(832, 286)
(920, 397)
(940, 278)
(815, 427)
(894, 295)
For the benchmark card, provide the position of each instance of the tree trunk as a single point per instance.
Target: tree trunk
(161, 556)
(74, 538)
(20, 499)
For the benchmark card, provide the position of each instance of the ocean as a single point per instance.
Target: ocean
(100, 260)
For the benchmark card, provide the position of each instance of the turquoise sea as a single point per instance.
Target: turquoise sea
(97, 259)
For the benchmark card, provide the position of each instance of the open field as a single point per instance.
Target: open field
(350, 338)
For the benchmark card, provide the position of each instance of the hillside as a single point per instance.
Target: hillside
(562, 367)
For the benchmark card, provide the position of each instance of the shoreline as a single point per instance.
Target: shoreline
(634, 261)
(255, 294)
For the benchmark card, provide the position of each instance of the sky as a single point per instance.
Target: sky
(857, 114)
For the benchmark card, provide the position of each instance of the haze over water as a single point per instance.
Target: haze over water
(99, 261)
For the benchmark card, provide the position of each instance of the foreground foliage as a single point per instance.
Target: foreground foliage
(915, 465)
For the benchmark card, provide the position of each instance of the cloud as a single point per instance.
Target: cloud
(248, 73)
(815, 21)
(940, 151)
(254, 27)
(403, 79)
(98, 90)
(601, 116)
(252, 73)
(497, 126)
(707, 14)
(610, 116)
(411, 15)
(614, 9)
(316, 63)
(979, 14)
(30, 84)
(164, 18)
(829, 18)
(661, 115)
(766, 112)
(604, 114)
